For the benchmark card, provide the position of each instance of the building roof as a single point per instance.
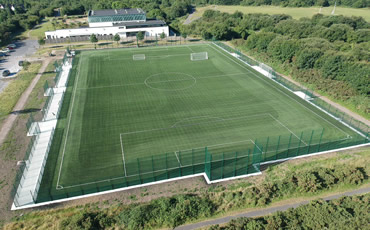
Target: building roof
(146, 23)
(112, 12)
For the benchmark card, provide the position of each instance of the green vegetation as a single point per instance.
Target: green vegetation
(344, 213)
(329, 54)
(294, 12)
(11, 94)
(298, 179)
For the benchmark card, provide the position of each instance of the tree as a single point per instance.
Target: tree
(93, 39)
(116, 38)
(184, 35)
(41, 41)
(307, 58)
(139, 37)
(162, 36)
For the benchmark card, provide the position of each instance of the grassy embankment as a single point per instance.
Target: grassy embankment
(298, 180)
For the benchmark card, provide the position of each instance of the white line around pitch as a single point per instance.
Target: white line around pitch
(69, 119)
(288, 129)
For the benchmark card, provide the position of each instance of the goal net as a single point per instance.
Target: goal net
(138, 57)
(268, 70)
(199, 56)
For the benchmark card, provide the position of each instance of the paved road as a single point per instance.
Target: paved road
(24, 48)
(266, 211)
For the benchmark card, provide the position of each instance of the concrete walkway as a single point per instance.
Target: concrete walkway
(267, 211)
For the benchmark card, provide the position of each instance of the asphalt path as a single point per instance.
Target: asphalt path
(266, 211)
(24, 49)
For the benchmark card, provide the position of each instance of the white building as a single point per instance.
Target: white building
(125, 22)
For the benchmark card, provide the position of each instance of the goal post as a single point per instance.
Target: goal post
(138, 57)
(268, 69)
(199, 56)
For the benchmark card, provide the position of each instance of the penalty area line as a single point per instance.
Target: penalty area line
(178, 159)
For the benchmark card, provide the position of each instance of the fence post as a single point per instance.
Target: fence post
(192, 159)
(277, 148)
(179, 163)
(322, 133)
(166, 167)
(155, 178)
(290, 139)
(222, 167)
(299, 143)
(309, 144)
(249, 154)
(236, 157)
(138, 167)
(267, 144)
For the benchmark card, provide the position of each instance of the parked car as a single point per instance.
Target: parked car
(20, 63)
(2, 54)
(13, 46)
(6, 73)
(10, 48)
(6, 50)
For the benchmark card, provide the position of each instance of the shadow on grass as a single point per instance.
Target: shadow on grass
(25, 111)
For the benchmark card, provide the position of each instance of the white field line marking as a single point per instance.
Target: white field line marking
(190, 49)
(147, 56)
(256, 146)
(225, 119)
(143, 83)
(123, 155)
(189, 118)
(178, 159)
(217, 145)
(69, 119)
(243, 66)
(288, 129)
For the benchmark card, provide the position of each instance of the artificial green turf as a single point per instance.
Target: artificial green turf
(121, 110)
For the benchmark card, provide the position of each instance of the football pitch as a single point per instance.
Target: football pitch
(121, 110)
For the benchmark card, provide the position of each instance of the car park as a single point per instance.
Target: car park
(6, 73)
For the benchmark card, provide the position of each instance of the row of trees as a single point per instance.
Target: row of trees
(330, 52)
(288, 3)
(139, 37)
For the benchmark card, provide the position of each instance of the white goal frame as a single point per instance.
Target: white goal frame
(138, 57)
(268, 69)
(199, 56)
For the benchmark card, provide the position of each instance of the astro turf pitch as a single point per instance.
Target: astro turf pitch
(122, 109)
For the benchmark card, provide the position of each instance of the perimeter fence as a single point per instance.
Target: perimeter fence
(216, 165)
